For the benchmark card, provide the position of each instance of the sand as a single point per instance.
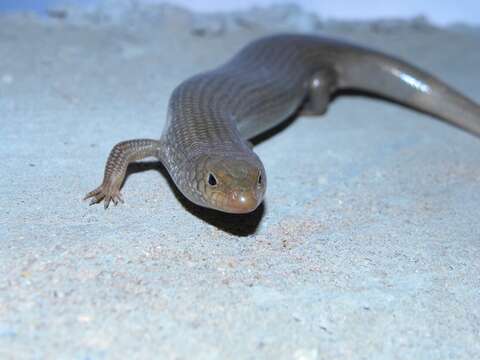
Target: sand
(367, 246)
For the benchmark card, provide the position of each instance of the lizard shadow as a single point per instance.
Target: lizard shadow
(238, 225)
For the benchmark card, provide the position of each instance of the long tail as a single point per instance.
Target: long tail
(394, 79)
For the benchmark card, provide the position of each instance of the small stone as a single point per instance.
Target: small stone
(84, 318)
(59, 13)
(204, 25)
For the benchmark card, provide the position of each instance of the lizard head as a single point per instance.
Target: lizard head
(232, 183)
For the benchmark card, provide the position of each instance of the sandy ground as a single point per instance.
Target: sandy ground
(367, 247)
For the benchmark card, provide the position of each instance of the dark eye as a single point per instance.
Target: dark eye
(212, 180)
(260, 180)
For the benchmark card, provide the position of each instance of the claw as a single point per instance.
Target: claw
(105, 193)
(108, 191)
(89, 195)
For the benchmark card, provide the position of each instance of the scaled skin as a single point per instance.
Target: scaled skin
(233, 185)
(212, 115)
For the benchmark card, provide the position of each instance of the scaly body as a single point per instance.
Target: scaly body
(211, 116)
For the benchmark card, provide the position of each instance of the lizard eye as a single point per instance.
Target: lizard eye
(212, 180)
(260, 179)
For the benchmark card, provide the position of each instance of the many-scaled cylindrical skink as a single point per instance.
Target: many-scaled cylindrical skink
(211, 116)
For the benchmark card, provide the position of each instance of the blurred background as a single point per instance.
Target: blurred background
(441, 12)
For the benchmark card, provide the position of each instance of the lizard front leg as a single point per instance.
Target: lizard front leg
(121, 155)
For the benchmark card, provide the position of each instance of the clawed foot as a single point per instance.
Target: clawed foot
(106, 192)
(120, 156)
